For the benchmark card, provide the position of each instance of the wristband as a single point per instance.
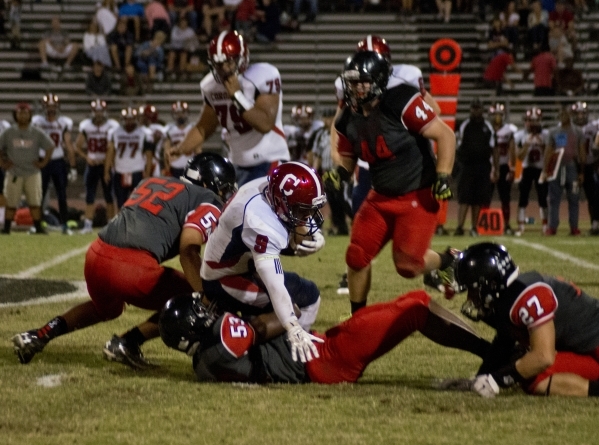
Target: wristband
(241, 102)
(508, 376)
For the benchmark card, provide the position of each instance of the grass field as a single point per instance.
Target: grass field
(98, 402)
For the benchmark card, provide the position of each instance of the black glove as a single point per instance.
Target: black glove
(441, 190)
(333, 179)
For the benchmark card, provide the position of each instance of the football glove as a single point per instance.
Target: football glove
(486, 386)
(309, 247)
(301, 342)
(334, 179)
(72, 175)
(441, 190)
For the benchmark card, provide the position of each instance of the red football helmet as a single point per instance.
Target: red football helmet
(296, 195)
(302, 115)
(228, 55)
(579, 112)
(376, 44)
(532, 119)
(50, 104)
(497, 108)
(179, 111)
(129, 117)
(149, 113)
(98, 109)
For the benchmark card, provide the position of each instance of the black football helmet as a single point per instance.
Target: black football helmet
(213, 172)
(184, 321)
(485, 269)
(365, 76)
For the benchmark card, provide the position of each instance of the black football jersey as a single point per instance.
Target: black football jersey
(400, 159)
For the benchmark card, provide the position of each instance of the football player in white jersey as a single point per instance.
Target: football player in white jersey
(299, 133)
(590, 129)
(93, 133)
(530, 149)
(59, 129)
(130, 154)
(4, 124)
(242, 270)
(175, 132)
(148, 117)
(245, 99)
(503, 172)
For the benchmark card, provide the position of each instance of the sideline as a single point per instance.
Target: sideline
(556, 253)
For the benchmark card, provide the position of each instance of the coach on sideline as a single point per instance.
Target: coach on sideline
(20, 147)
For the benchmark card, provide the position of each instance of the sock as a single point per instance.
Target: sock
(87, 223)
(38, 225)
(446, 260)
(7, 224)
(134, 337)
(594, 388)
(54, 328)
(355, 306)
(2, 213)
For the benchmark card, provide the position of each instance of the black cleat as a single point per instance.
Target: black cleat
(343, 288)
(27, 344)
(117, 350)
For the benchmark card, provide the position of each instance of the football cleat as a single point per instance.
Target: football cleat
(86, 230)
(117, 350)
(27, 344)
(343, 288)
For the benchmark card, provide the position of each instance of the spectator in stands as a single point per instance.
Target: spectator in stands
(120, 42)
(213, 12)
(510, 21)
(268, 24)
(497, 39)
(563, 19)
(245, 16)
(95, 46)
(476, 142)
(57, 45)
(14, 21)
(559, 45)
(543, 67)
(107, 16)
(183, 43)
(567, 174)
(444, 7)
(569, 81)
(20, 147)
(98, 82)
(538, 25)
(312, 9)
(133, 12)
(495, 73)
(131, 83)
(150, 59)
(158, 17)
(176, 8)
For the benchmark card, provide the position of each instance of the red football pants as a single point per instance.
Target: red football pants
(371, 332)
(586, 366)
(116, 275)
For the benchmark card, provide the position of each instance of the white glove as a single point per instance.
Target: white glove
(72, 176)
(309, 247)
(301, 342)
(486, 386)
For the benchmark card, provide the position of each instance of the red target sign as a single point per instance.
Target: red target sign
(445, 55)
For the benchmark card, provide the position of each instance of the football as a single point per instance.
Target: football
(296, 238)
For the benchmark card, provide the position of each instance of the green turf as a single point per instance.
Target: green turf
(394, 403)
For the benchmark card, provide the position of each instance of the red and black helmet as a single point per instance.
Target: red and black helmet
(149, 112)
(296, 194)
(98, 109)
(129, 118)
(497, 108)
(226, 47)
(376, 44)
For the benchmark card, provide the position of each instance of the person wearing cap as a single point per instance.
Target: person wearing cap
(20, 147)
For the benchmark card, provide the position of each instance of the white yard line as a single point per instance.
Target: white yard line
(556, 253)
(32, 271)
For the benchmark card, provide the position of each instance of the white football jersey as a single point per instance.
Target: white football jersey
(56, 130)
(503, 137)
(249, 147)
(590, 131)
(401, 74)
(247, 221)
(96, 137)
(175, 135)
(129, 149)
(536, 151)
(295, 135)
(4, 125)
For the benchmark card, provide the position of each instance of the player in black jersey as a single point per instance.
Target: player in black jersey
(164, 217)
(553, 322)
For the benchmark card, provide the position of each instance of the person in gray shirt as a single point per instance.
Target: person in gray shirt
(20, 148)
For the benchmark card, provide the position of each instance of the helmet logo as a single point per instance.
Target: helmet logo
(285, 181)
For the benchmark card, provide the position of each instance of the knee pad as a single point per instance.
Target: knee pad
(356, 258)
(407, 266)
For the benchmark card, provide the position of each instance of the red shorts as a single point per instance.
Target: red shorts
(116, 275)
(372, 331)
(586, 366)
(409, 220)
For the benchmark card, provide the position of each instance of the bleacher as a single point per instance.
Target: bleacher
(309, 61)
